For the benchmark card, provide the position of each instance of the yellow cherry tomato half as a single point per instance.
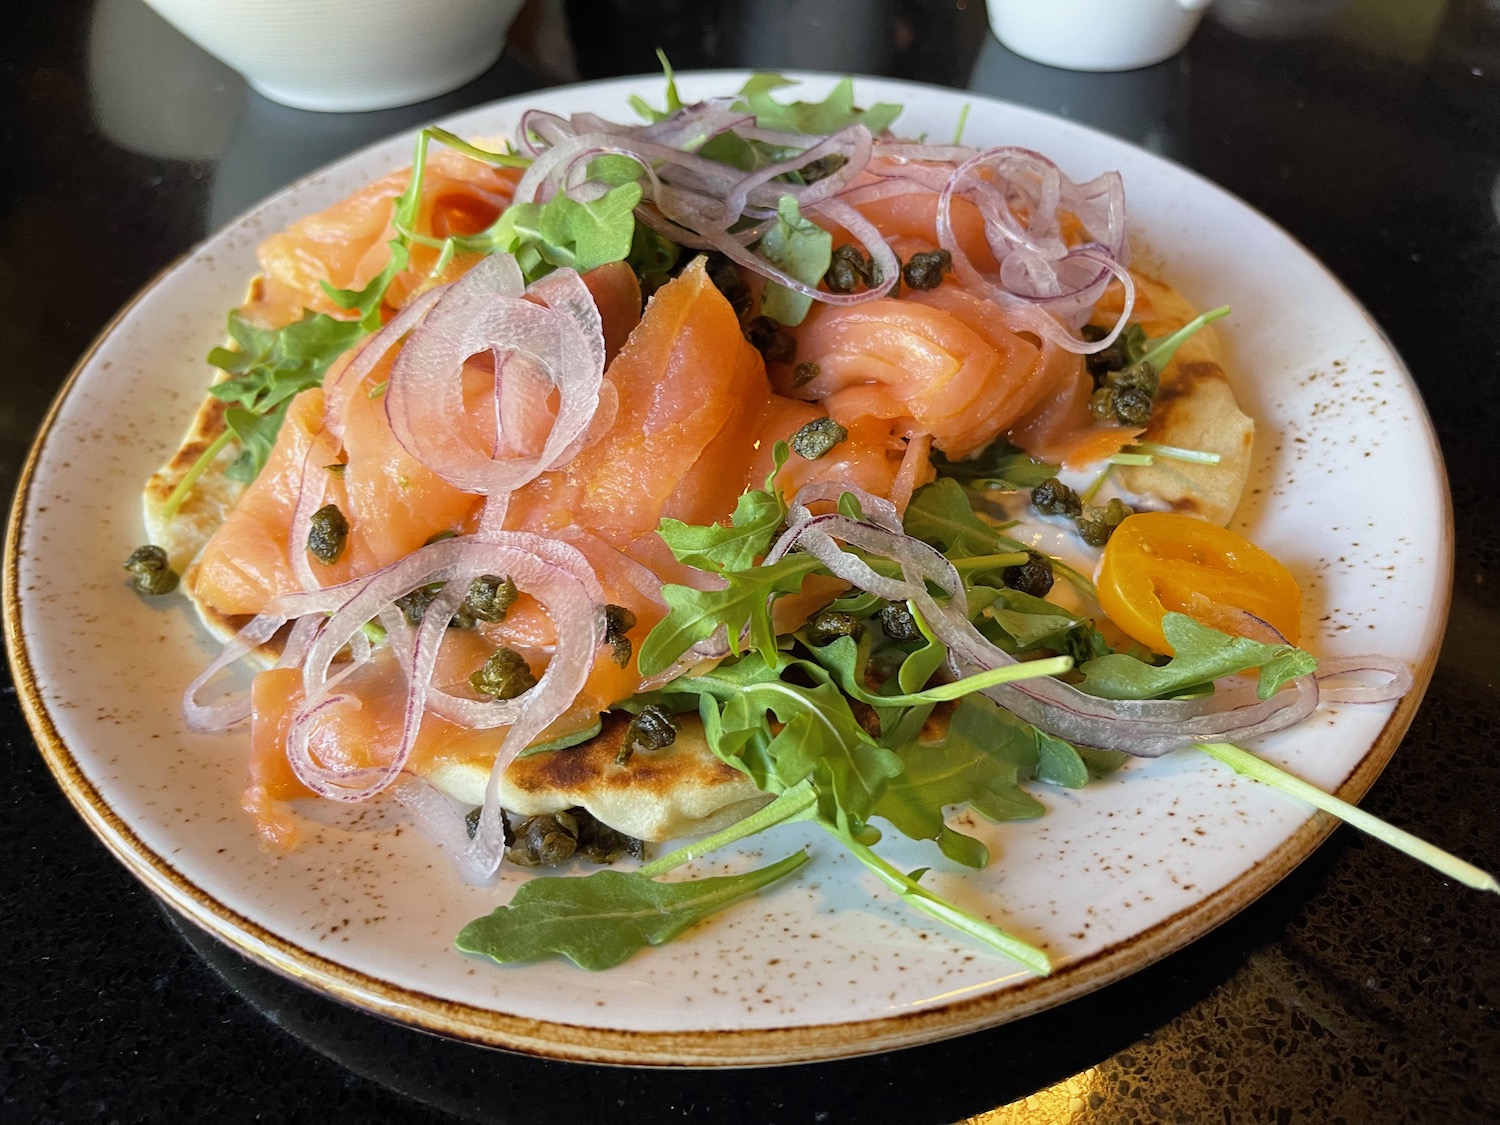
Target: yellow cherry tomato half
(1156, 562)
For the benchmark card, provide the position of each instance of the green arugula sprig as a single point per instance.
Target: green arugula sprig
(267, 368)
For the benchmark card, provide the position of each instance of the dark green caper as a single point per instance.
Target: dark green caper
(805, 373)
(848, 270)
(729, 281)
(925, 270)
(1132, 407)
(504, 675)
(653, 729)
(489, 598)
(817, 438)
(1102, 404)
(152, 572)
(1053, 498)
(1033, 577)
(823, 167)
(599, 843)
(545, 840)
(328, 534)
(439, 536)
(897, 622)
(1127, 346)
(1096, 525)
(617, 622)
(768, 338)
(413, 606)
(1140, 376)
(831, 624)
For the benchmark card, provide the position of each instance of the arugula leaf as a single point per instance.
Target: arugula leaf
(695, 615)
(999, 466)
(716, 548)
(981, 762)
(563, 232)
(601, 919)
(1059, 763)
(819, 738)
(674, 100)
(940, 514)
(1021, 623)
(828, 116)
(257, 435)
(1203, 655)
(367, 301)
(799, 247)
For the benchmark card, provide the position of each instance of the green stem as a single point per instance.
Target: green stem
(1258, 769)
(943, 693)
(920, 898)
(1175, 453)
(1093, 490)
(991, 562)
(795, 802)
(458, 144)
(190, 478)
(1159, 353)
(1131, 459)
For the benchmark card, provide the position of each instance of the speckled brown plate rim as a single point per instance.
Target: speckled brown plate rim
(702, 1048)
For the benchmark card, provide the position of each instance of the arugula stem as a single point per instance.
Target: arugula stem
(963, 119)
(919, 897)
(1141, 459)
(1093, 490)
(1159, 353)
(458, 144)
(1010, 673)
(190, 478)
(990, 562)
(1175, 453)
(795, 802)
(1258, 769)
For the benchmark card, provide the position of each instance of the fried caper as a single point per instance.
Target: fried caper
(925, 270)
(1053, 498)
(490, 598)
(328, 534)
(617, 622)
(831, 624)
(504, 675)
(768, 338)
(1096, 525)
(152, 573)
(897, 622)
(1033, 577)
(848, 269)
(817, 438)
(653, 729)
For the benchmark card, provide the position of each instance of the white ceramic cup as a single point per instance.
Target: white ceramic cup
(1096, 34)
(344, 55)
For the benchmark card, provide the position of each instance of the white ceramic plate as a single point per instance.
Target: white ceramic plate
(1348, 490)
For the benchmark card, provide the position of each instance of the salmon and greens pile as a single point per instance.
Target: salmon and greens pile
(632, 482)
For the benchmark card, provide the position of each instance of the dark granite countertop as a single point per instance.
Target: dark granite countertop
(1361, 989)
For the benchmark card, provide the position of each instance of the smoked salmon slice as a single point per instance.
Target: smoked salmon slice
(691, 391)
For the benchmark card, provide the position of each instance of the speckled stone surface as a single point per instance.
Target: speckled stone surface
(1360, 990)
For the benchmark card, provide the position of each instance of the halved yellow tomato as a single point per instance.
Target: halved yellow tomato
(1159, 562)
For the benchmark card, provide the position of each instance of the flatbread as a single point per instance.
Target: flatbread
(1195, 409)
(681, 790)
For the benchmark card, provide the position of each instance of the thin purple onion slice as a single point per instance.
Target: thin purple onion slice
(554, 341)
